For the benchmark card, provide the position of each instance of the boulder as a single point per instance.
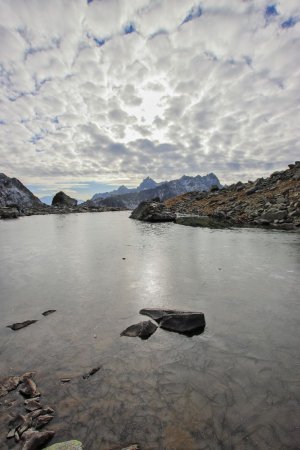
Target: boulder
(142, 330)
(68, 445)
(153, 212)
(183, 322)
(62, 199)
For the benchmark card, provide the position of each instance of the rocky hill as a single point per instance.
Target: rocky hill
(162, 191)
(267, 202)
(147, 183)
(14, 194)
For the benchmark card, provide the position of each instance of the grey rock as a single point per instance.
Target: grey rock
(142, 330)
(273, 214)
(202, 221)
(8, 384)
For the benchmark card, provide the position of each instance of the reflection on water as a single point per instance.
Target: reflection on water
(235, 386)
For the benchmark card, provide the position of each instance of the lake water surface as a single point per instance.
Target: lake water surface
(236, 386)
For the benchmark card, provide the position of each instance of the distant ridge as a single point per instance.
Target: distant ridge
(148, 189)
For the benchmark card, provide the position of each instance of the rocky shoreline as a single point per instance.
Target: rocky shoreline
(272, 202)
(13, 212)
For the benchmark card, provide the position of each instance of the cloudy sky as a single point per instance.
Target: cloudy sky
(98, 93)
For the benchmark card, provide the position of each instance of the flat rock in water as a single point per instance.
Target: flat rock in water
(91, 372)
(18, 326)
(8, 384)
(32, 405)
(35, 440)
(42, 420)
(68, 445)
(142, 330)
(184, 322)
(49, 311)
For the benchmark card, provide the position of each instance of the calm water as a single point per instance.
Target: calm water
(234, 387)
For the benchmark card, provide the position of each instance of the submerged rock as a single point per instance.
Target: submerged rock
(68, 445)
(142, 330)
(49, 311)
(184, 322)
(8, 384)
(18, 326)
(35, 440)
(153, 212)
(29, 388)
(91, 372)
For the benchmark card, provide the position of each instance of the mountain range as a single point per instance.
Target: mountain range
(149, 189)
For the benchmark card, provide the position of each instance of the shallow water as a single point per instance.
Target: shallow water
(236, 386)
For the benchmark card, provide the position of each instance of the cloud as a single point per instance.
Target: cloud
(108, 90)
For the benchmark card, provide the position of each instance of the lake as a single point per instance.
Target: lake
(236, 386)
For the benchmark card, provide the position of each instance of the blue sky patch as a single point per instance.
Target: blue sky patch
(291, 22)
(2, 122)
(99, 41)
(271, 11)
(195, 12)
(129, 28)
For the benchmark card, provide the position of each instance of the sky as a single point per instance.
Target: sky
(100, 93)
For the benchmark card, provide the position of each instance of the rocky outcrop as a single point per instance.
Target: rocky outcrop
(272, 202)
(62, 199)
(153, 212)
(14, 194)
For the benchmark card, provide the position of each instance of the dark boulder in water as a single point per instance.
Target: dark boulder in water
(142, 330)
(184, 322)
(18, 326)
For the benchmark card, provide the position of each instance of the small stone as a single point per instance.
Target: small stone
(91, 372)
(65, 380)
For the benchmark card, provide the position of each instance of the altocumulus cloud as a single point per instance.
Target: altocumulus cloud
(108, 90)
